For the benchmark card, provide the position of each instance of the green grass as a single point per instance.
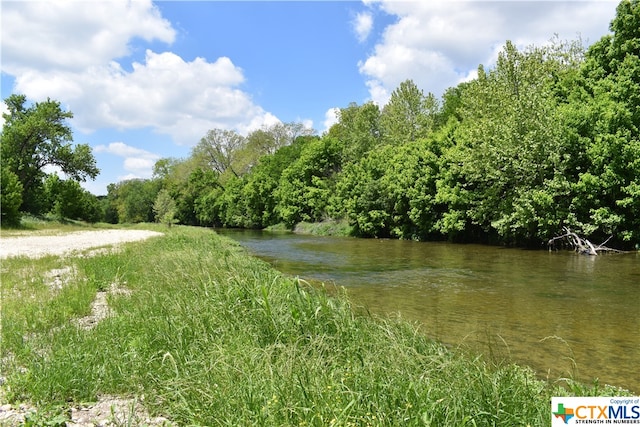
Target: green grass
(45, 225)
(211, 336)
(327, 227)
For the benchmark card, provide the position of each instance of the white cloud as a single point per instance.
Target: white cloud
(362, 25)
(3, 110)
(128, 177)
(257, 122)
(139, 165)
(99, 188)
(307, 123)
(73, 35)
(174, 97)
(440, 43)
(163, 92)
(330, 118)
(138, 162)
(123, 150)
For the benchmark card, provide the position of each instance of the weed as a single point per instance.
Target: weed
(50, 417)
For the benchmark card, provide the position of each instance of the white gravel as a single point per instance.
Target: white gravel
(37, 246)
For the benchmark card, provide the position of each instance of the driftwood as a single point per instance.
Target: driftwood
(580, 244)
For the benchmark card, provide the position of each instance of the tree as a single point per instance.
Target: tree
(361, 197)
(133, 199)
(408, 115)
(269, 139)
(390, 192)
(263, 142)
(164, 208)
(10, 197)
(185, 180)
(37, 136)
(306, 185)
(358, 130)
(605, 115)
(261, 184)
(503, 179)
(626, 29)
(208, 207)
(218, 150)
(67, 199)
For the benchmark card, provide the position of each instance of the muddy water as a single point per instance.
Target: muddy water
(563, 314)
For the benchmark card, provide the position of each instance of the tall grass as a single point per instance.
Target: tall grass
(327, 227)
(211, 336)
(43, 225)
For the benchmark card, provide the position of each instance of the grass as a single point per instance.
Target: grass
(47, 225)
(211, 336)
(328, 227)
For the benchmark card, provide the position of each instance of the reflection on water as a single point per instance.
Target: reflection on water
(561, 313)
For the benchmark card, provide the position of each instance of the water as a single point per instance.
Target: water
(563, 314)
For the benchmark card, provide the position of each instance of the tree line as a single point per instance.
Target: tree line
(547, 138)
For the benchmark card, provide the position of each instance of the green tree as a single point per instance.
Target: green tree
(232, 204)
(362, 197)
(604, 114)
(199, 182)
(186, 180)
(625, 44)
(133, 199)
(503, 179)
(358, 130)
(270, 139)
(10, 197)
(391, 191)
(164, 208)
(306, 185)
(259, 191)
(408, 115)
(68, 200)
(267, 141)
(38, 136)
(218, 150)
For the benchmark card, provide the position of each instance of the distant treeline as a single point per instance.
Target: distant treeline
(549, 137)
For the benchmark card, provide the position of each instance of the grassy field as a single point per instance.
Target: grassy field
(30, 226)
(204, 334)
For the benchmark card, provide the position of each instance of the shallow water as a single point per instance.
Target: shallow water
(563, 314)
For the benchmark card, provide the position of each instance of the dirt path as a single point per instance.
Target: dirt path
(37, 246)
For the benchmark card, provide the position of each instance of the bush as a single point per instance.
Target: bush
(10, 197)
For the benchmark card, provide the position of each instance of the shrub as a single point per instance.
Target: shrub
(10, 197)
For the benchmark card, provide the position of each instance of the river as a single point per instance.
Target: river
(563, 314)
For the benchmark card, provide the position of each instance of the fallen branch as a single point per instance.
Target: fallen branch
(580, 244)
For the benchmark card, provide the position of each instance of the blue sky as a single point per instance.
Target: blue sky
(146, 80)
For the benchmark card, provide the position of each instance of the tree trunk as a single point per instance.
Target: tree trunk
(579, 244)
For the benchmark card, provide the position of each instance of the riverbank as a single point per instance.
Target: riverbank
(327, 227)
(200, 333)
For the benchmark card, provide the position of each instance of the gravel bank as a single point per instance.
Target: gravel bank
(37, 246)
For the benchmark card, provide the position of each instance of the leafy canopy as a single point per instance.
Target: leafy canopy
(37, 136)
